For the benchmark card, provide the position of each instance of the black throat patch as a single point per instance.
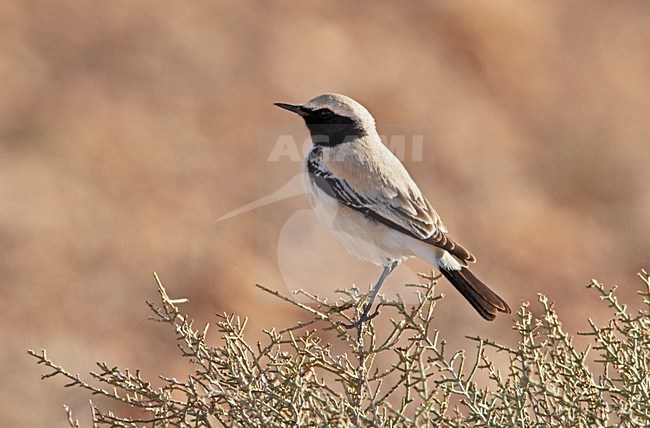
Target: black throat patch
(330, 129)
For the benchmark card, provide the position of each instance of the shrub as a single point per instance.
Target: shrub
(404, 376)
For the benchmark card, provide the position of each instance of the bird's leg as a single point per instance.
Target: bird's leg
(375, 290)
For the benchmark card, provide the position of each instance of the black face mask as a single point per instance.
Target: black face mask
(330, 129)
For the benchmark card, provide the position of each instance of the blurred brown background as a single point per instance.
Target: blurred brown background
(127, 129)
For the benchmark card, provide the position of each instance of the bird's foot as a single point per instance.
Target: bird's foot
(366, 316)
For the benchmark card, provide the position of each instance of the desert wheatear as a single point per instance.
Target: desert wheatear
(366, 197)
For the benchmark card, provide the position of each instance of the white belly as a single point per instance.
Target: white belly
(367, 239)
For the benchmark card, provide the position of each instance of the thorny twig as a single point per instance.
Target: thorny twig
(402, 375)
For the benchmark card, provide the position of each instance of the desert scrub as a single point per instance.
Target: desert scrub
(404, 376)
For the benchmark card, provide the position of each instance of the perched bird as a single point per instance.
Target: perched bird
(363, 193)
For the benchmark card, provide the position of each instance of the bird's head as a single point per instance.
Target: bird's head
(333, 119)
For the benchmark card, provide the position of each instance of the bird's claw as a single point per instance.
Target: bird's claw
(365, 317)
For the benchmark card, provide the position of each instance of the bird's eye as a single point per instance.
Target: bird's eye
(324, 113)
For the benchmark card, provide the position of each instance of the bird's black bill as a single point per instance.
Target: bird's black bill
(300, 110)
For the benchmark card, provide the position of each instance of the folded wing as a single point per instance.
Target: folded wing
(395, 202)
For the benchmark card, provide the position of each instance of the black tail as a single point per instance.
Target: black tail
(484, 300)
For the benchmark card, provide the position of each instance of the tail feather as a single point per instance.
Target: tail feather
(484, 300)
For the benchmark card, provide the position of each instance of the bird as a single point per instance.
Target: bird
(368, 200)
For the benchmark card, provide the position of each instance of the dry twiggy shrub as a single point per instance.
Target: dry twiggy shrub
(295, 379)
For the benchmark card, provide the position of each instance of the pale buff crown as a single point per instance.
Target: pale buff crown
(343, 106)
